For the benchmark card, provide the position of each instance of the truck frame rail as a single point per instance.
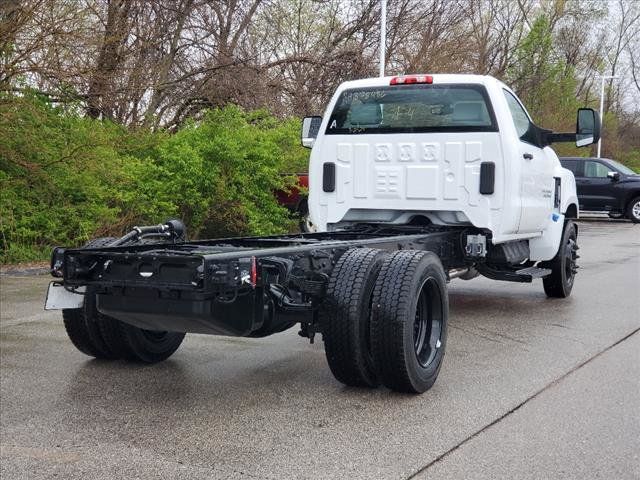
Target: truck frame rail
(251, 286)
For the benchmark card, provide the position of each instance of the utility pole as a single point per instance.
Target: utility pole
(603, 78)
(383, 35)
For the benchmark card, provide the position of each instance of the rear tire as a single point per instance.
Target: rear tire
(104, 337)
(633, 210)
(136, 344)
(344, 316)
(409, 321)
(92, 321)
(81, 323)
(150, 346)
(563, 266)
(76, 327)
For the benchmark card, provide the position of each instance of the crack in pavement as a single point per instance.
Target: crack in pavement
(471, 332)
(520, 405)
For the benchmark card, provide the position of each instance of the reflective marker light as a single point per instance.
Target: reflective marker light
(253, 273)
(411, 79)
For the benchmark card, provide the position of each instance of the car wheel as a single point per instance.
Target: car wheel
(633, 210)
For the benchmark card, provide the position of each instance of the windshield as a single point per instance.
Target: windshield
(622, 168)
(412, 109)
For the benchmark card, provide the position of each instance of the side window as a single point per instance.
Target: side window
(519, 115)
(595, 170)
(570, 165)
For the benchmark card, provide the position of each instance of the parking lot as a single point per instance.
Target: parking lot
(530, 388)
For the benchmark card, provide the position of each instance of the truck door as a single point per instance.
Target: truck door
(595, 189)
(536, 181)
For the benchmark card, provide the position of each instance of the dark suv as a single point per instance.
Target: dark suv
(605, 185)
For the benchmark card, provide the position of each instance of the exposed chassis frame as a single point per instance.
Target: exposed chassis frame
(252, 286)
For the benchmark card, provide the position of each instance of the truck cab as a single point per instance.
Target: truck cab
(440, 149)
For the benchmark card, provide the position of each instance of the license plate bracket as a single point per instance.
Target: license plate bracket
(59, 298)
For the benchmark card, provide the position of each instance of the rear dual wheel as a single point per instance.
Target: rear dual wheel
(409, 321)
(136, 344)
(344, 316)
(385, 319)
(107, 338)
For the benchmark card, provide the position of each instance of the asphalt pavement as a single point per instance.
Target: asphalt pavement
(530, 388)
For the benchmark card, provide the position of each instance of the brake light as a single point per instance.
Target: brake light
(253, 273)
(411, 79)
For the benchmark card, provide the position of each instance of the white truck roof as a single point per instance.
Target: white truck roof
(437, 78)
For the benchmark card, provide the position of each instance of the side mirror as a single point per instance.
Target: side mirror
(310, 129)
(614, 176)
(587, 127)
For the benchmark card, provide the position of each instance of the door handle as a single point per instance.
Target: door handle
(527, 156)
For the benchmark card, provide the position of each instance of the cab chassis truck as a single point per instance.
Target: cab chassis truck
(414, 180)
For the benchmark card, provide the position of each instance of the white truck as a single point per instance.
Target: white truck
(414, 180)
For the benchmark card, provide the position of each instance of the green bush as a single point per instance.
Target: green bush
(65, 178)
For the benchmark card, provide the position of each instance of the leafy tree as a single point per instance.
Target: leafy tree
(544, 82)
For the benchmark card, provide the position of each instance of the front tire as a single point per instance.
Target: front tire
(409, 320)
(563, 266)
(633, 210)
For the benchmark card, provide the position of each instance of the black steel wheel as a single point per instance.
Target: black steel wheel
(344, 316)
(564, 265)
(427, 328)
(409, 320)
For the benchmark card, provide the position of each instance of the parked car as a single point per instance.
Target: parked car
(605, 185)
(295, 199)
